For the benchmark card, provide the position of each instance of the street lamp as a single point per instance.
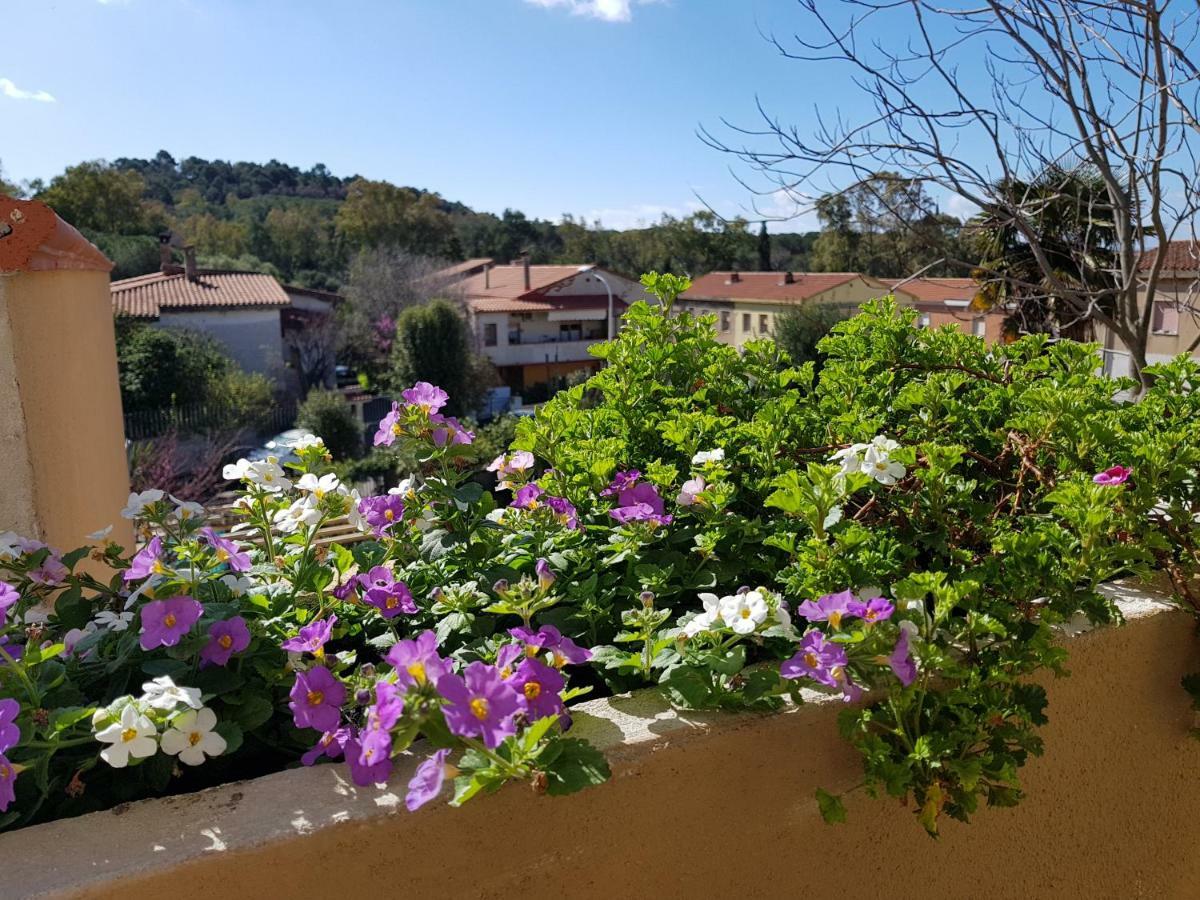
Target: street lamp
(608, 330)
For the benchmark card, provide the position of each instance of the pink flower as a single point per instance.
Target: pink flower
(1113, 476)
(165, 622)
(425, 396)
(225, 639)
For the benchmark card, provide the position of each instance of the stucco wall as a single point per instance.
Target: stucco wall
(252, 337)
(63, 363)
(700, 805)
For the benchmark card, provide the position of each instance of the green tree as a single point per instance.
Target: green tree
(163, 367)
(8, 187)
(100, 197)
(376, 213)
(328, 415)
(800, 328)
(433, 343)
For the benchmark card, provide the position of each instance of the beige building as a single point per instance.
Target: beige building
(948, 301)
(747, 303)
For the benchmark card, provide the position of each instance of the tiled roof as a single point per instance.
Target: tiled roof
(543, 304)
(145, 296)
(1179, 256)
(509, 281)
(936, 289)
(465, 267)
(770, 286)
(327, 296)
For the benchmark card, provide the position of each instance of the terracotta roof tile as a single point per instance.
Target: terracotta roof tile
(466, 267)
(768, 286)
(543, 304)
(145, 296)
(936, 289)
(1179, 256)
(509, 281)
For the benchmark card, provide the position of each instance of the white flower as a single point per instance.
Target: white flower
(319, 487)
(163, 693)
(307, 441)
(497, 514)
(850, 458)
(407, 488)
(708, 456)
(706, 620)
(744, 612)
(353, 516)
(304, 513)
(133, 735)
(138, 502)
(187, 509)
(113, 621)
(236, 471)
(101, 534)
(267, 474)
(237, 584)
(191, 737)
(879, 466)
(886, 444)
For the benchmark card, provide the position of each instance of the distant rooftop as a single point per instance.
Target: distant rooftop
(145, 296)
(780, 287)
(936, 290)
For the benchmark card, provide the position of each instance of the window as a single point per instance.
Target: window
(490, 337)
(762, 324)
(726, 320)
(746, 322)
(514, 332)
(1166, 317)
(570, 331)
(979, 326)
(923, 320)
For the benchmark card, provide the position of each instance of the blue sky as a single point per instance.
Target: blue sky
(548, 106)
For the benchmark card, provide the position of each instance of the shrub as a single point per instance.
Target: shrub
(800, 328)
(161, 367)
(433, 344)
(326, 413)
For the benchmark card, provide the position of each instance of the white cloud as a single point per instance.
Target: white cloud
(640, 215)
(606, 10)
(10, 90)
(960, 207)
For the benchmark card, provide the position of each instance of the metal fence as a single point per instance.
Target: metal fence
(206, 417)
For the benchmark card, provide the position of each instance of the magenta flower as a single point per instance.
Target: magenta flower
(425, 396)
(545, 575)
(640, 503)
(383, 591)
(878, 609)
(225, 639)
(14, 650)
(831, 608)
(165, 622)
(550, 638)
(227, 551)
(312, 637)
(621, 482)
(479, 704)
(416, 661)
(9, 732)
(50, 573)
(377, 771)
(376, 738)
(564, 512)
(8, 781)
(382, 512)
(389, 428)
(427, 781)
(901, 660)
(540, 688)
(8, 599)
(316, 699)
(330, 745)
(527, 497)
(1113, 476)
(818, 658)
(506, 656)
(448, 430)
(147, 561)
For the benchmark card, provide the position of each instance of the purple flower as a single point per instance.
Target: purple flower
(527, 497)
(506, 656)
(426, 782)
(545, 575)
(389, 428)
(901, 660)
(312, 637)
(425, 396)
(227, 551)
(165, 622)
(690, 490)
(505, 466)
(376, 738)
(417, 662)
(317, 699)
(480, 704)
(14, 651)
(640, 503)
(831, 608)
(50, 573)
(8, 781)
(330, 744)
(818, 658)
(1114, 475)
(621, 482)
(564, 512)
(878, 609)
(448, 430)
(376, 771)
(8, 599)
(550, 638)
(382, 512)
(148, 561)
(383, 591)
(225, 639)
(539, 688)
(9, 732)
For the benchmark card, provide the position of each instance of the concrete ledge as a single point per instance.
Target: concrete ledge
(701, 804)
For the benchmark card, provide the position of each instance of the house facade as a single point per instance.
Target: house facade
(948, 301)
(536, 323)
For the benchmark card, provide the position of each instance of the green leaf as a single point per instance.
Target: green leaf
(831, 807)
(232, 734)
(689, 687)
(62, 719)
(254, 711)
(72, 609)
(578, 765)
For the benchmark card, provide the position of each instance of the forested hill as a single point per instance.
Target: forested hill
(307, 226)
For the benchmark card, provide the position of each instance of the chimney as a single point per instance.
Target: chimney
(788, 278)
(734, 277)
(525, 263)
(189, 263)
(487, 276)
